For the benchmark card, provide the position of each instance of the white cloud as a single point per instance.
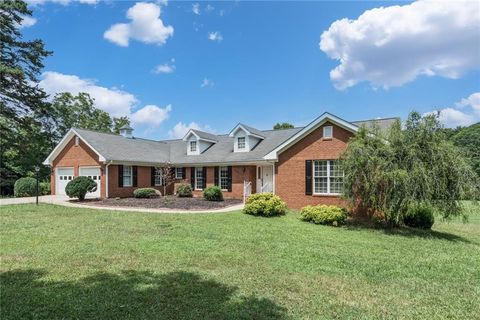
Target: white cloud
(215, 36)
(209, 8)
(181, 129)
(472, 101)
(207, 83)
(151, 115)
(145, 26)
(196, 8)
(114, 101)
(168, 67)
(27, 21)
(465, 113)
(390, 46)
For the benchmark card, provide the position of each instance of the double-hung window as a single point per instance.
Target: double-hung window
(199, 178)
(223, 177)
(241, 142)
(327, 177)
(158, 176)
(193, 146)
(127, 176)
(178, 173)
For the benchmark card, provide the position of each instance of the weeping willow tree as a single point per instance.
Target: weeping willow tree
(387, 172)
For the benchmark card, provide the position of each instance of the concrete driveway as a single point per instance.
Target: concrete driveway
(43, 199)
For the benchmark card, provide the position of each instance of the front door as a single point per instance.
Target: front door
(265, 179)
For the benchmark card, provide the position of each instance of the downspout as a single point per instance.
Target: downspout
(106, 179)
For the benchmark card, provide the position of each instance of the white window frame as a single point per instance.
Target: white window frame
(193, 146)
(325, 135)
(244, 143)
(158, 176)
(130, 175)
(198, 169)
(179, 173)
(329, 177)
(77, 140)
(225, 169)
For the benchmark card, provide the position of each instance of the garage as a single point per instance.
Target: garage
(94, 174)
(63, 176)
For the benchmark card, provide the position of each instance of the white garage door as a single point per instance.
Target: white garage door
(93, 173)
(64, 175)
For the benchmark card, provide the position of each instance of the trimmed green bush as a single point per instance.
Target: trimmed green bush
(323, 214)
(25, 187)
(145, 193)
(213, 193)
(184, 191)
(265, 204)
(45, 188)
(79, 186)
(419, 216)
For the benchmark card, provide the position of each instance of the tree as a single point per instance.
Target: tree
(281, 126)
(119, 122)
(168, 176)
(388, 174)
(468, 138)
(23, 144)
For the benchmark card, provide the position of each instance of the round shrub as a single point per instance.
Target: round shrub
(213, 193)
(25, 187)
(184, 191)
(145, 193)
(419, 216)
(79, 186)
(45, 188)
(265, 204)
(322, 214)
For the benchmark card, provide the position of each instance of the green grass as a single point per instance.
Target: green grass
(59, 262)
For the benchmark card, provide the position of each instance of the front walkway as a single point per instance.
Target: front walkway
(64, 201)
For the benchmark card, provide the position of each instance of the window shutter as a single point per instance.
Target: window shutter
(134, 176)
(152, 176)
(120, 176)
(217, 174)
(230, 179)
(192, 177)
(308, 177)
(204, 169)
(184, 173)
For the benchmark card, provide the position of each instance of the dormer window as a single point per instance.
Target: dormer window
(327, 132)
(241, 142)
(193, 146)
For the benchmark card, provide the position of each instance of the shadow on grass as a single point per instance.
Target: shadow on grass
(130, 295)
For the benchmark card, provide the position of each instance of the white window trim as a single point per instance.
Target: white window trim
(220, 178)
(244, 143)
(331, 132)
(195, 185)
(131, 176)
(177, 170)
(328, 193)
(193, 143)
(158, 170)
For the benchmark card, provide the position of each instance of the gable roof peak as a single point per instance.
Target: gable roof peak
(249, 130)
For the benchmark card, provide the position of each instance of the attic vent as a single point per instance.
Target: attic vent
(126, 131)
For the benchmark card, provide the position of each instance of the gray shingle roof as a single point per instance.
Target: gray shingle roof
(383, 124)
(253, 130)
(205, 135)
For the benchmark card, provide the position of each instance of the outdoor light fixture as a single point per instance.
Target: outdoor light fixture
(37, 169)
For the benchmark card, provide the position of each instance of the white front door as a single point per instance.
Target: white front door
(265, 179)
(93, 173)
(63, 176)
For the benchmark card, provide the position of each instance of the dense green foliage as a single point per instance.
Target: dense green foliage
(213, 193)
(265, 204)
(419, 216)
(468, 138)
(45, 188)
(145, 193)
(101, 264)
(387, 173)
(79, 187)
(184, 191)
(284, 125)
(323, 214)
(25, 187)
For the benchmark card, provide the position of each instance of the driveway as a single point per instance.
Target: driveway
(43, 199)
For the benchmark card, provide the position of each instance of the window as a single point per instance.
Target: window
(193, 146)
(223, 177)
(178, 173)
(327, 177)
(241, 142)
(158, 176)
(198, 178)
(127, 176)
(328, 132)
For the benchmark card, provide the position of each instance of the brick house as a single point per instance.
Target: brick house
(300, 164)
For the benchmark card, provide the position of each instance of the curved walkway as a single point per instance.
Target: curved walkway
(64, 201)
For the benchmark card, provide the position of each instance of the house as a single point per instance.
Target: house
(300, 164)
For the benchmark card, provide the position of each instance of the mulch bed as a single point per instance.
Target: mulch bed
(168, 202)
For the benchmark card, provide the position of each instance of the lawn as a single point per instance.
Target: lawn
(59, 262)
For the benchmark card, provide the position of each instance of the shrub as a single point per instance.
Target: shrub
(213, 193)
(79, 186)
(322, 214)
(145, 193)
(25, 187)
(45, 188)
(265, 204)
(419, 216)
(184, 191)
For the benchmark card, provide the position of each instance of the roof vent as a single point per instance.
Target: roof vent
(126, 131)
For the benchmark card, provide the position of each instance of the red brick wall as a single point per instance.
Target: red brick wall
(77, 156)
(290, 169)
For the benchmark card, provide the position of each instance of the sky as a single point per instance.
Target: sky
(170, 66)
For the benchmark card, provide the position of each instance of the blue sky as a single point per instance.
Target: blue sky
(260, 62)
